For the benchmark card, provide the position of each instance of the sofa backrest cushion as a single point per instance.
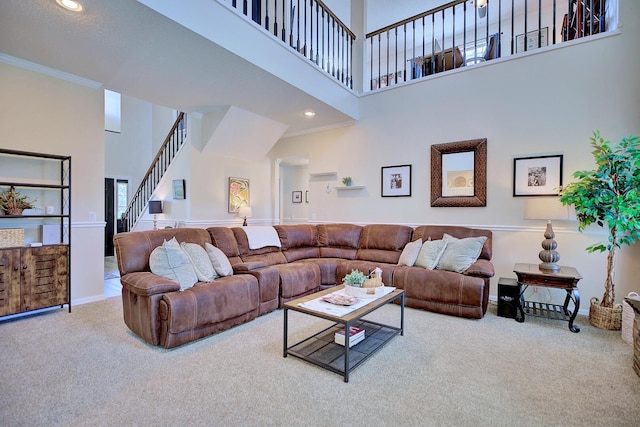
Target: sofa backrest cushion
(383, 242)
(224, 239)
(298, 241)
(270, 255)
(435, 232)
(338, 240)
(134, 248)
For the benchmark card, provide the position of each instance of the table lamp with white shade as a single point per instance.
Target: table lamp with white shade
(245, 212)
(548, 208)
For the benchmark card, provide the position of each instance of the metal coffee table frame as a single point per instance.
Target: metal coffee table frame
(320, 348)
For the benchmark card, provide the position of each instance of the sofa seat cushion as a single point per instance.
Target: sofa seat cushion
(347, 267)
(207, 303)
(298, 279)
(328, 267)
(441, 291)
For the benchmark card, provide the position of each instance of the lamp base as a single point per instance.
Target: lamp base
(549, 267)
(549, 256)
(244, 223)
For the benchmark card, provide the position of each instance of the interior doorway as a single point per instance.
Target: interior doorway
(116, 198)
(293, 183)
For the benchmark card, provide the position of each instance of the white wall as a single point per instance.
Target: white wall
(548, 101)
(294, 178)
(48, 115)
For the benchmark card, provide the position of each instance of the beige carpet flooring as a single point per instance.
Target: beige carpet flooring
(86, 368)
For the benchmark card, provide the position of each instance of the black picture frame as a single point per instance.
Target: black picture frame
(537, 175)
(296, 197)
(179, 192)
(395, 181)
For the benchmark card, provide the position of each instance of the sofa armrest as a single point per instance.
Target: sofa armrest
(481, 268)
(145, 283)
(244, 267)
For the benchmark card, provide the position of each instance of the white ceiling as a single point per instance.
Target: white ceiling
(131, 49)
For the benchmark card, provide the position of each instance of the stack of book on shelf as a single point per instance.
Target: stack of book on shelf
(355, 336)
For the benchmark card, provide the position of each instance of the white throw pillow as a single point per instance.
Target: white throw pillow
(200, 261)
(219, 260)
(170, 261)
(460, 253)
(430, 254)
(410, 253)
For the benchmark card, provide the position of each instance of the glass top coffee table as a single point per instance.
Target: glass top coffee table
(321, 349)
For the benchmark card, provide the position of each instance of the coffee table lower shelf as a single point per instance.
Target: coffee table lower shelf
(321, 349)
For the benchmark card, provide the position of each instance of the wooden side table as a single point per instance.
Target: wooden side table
(566, 278)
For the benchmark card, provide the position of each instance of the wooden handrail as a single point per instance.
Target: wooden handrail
(167, 152)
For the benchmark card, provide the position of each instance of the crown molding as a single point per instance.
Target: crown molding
(52, 72)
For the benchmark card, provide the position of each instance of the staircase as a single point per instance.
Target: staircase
(167, 152)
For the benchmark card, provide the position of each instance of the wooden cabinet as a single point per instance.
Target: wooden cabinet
(35, 273)
(33, 278)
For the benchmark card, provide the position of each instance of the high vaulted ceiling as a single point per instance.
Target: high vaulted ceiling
(129, 48)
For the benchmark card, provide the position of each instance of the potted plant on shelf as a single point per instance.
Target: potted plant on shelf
(609, 197)
(13, 203)
(347, 181)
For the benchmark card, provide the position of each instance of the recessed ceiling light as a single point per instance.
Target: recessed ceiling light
(70, 5)
(309, 113)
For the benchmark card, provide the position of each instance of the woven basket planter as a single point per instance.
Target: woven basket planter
(608, 318)
(628, 316)
(13, 211)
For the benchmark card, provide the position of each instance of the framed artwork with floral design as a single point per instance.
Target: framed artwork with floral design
(238, 193)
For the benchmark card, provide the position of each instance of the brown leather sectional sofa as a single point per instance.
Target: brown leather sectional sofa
(311, 257)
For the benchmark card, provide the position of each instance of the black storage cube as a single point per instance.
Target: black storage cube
(508, 297)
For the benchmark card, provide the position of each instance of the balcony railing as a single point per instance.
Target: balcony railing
(463, 33)
(310, 28)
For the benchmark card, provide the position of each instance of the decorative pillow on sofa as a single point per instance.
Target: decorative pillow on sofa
(430, 254)
(410, 253)
(170, 261)
(219, 260)
(200, 261)
(459, 254)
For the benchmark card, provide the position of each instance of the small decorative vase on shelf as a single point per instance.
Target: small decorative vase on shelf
(347, 181)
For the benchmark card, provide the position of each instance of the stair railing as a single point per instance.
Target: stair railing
(167, 152)
(310, 28)
(461, 33)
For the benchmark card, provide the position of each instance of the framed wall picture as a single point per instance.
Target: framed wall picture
(537, 176)
(306, 196)
(296, 196)
(238, 193)
(396, 181)
(534, 40)
(179, 189)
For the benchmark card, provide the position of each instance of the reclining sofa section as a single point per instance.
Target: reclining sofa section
(310, 258)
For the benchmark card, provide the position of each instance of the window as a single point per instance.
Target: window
(112, 107)
(122, 193)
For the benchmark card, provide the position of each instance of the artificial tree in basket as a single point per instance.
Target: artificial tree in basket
(609, 197)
